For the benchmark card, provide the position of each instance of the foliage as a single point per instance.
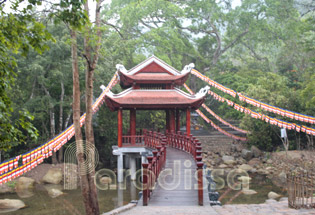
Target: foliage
(262, 48)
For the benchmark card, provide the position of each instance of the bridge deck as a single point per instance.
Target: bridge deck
(176, 183)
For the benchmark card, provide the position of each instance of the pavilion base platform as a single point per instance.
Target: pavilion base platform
(130, 154)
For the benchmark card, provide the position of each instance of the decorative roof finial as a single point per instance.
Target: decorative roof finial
(188, 68)
(121, 68)
(203, 91)
(102, 87)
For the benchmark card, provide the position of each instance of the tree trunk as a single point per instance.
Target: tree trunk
(60, 152)
(52, 122)
(76, 121)
(89, 75)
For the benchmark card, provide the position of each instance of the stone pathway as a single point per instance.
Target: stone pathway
(271, 207)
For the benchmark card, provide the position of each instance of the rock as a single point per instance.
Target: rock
(8, 205)
(246, 167)
(239, 148)
(217, 161)
(254, 162)
(24, 183)
(273, 195)
(7, 188)
(105, 180)
(246, 154)
(53, 193)
(283, 177)
(24, 187)
(244, 178)
(222, 166)
(229, 160)
(269, 161)
(53, 176)
(54, 190)
(256, 151)
(248, 192)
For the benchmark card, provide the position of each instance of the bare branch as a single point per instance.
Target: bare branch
(115, 27)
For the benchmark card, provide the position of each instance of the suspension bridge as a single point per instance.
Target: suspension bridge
(171, 161)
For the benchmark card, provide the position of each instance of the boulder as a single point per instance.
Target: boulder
(54, 190)
(244, 178)
(217, 161)
(256, 151)
(53, 193)
(246, 154)
(282, 177)
(222, 166)
(53, 176)
(7, 188)
(254, 162)
(24, 187)
(245, 167)
(9, 205)
(105, 180)
(24, 183)
(248, 192)
(269, 161)
(229, 160)
(273, 195)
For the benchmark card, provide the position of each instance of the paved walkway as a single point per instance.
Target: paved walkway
(271, 207)
(175, 185)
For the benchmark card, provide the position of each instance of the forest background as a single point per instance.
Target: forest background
(262, 48)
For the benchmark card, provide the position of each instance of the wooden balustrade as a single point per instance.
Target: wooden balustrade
(191, 145)
(132, 140)
(158, 142)
(152, 169)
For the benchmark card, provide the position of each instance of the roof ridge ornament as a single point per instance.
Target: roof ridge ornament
(102, 87)
(187, 68)
(121, 68)
(203, 91)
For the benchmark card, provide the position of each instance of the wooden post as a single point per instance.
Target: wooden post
(167, 120)
(188, 121)
(133, 125)
(145, 185)
(177, 120)
(200, 183)
(172, 121)
(120, 127)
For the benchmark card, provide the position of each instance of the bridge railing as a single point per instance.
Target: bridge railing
(132, 140)
(156, 161)
(191, 145)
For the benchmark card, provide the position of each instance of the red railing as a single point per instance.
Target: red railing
(152, 169)
(191, 145)
(133, 140)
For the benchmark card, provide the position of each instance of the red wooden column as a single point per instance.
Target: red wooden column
(172, 121)
(177, 120)
(200, 183)
(133, 125)
(188, 121)
(120, 127)
(167, 120)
